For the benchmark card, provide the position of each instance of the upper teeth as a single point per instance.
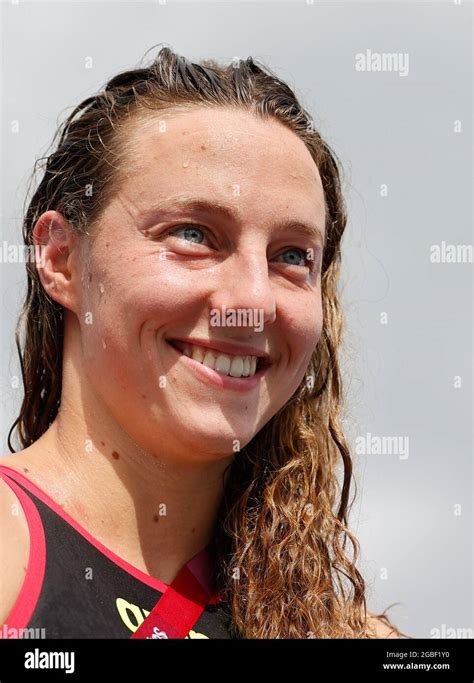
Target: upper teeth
(235, 366)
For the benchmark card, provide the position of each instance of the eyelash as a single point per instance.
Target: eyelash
(310, 263)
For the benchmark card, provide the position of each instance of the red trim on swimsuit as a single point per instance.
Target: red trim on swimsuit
(25, 604)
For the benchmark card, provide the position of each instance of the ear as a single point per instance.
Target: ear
(55, 241)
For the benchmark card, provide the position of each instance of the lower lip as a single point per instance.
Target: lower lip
(217, 379)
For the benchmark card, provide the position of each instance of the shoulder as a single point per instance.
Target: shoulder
(17, 461)
(380, 628)
(14, 548)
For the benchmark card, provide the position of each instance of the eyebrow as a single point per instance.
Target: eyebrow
(202, 205)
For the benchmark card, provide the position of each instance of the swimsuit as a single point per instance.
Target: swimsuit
(75, 587)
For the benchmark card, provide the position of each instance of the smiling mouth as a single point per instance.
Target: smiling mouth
(227, 364)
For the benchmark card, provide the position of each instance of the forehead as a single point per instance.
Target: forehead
(226, 154)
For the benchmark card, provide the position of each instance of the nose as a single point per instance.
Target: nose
(244, 284)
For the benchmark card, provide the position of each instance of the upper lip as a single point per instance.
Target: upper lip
(225, 347)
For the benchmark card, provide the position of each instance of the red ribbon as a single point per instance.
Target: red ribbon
(177, 610)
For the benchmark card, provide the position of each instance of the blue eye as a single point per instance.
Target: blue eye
(195, 233)
(297, 255)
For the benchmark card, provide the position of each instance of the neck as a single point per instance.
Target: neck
(154, 512)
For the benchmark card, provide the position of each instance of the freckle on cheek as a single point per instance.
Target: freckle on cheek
(115, 455)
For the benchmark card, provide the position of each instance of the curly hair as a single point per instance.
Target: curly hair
(279, 546)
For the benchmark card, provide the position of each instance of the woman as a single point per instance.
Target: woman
(180, 427)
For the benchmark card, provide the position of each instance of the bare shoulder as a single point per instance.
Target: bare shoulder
(380, 628)
(17, 461)
(14, 548)
(32, 464)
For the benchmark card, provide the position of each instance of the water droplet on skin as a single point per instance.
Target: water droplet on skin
(185, 164)
(104, 343)
(101, 288)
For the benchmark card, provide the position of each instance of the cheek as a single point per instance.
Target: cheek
(124, 297)
(305, 323)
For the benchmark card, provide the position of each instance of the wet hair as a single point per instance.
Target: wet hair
(279, 547)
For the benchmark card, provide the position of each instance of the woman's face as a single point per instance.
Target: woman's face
(200, 252)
